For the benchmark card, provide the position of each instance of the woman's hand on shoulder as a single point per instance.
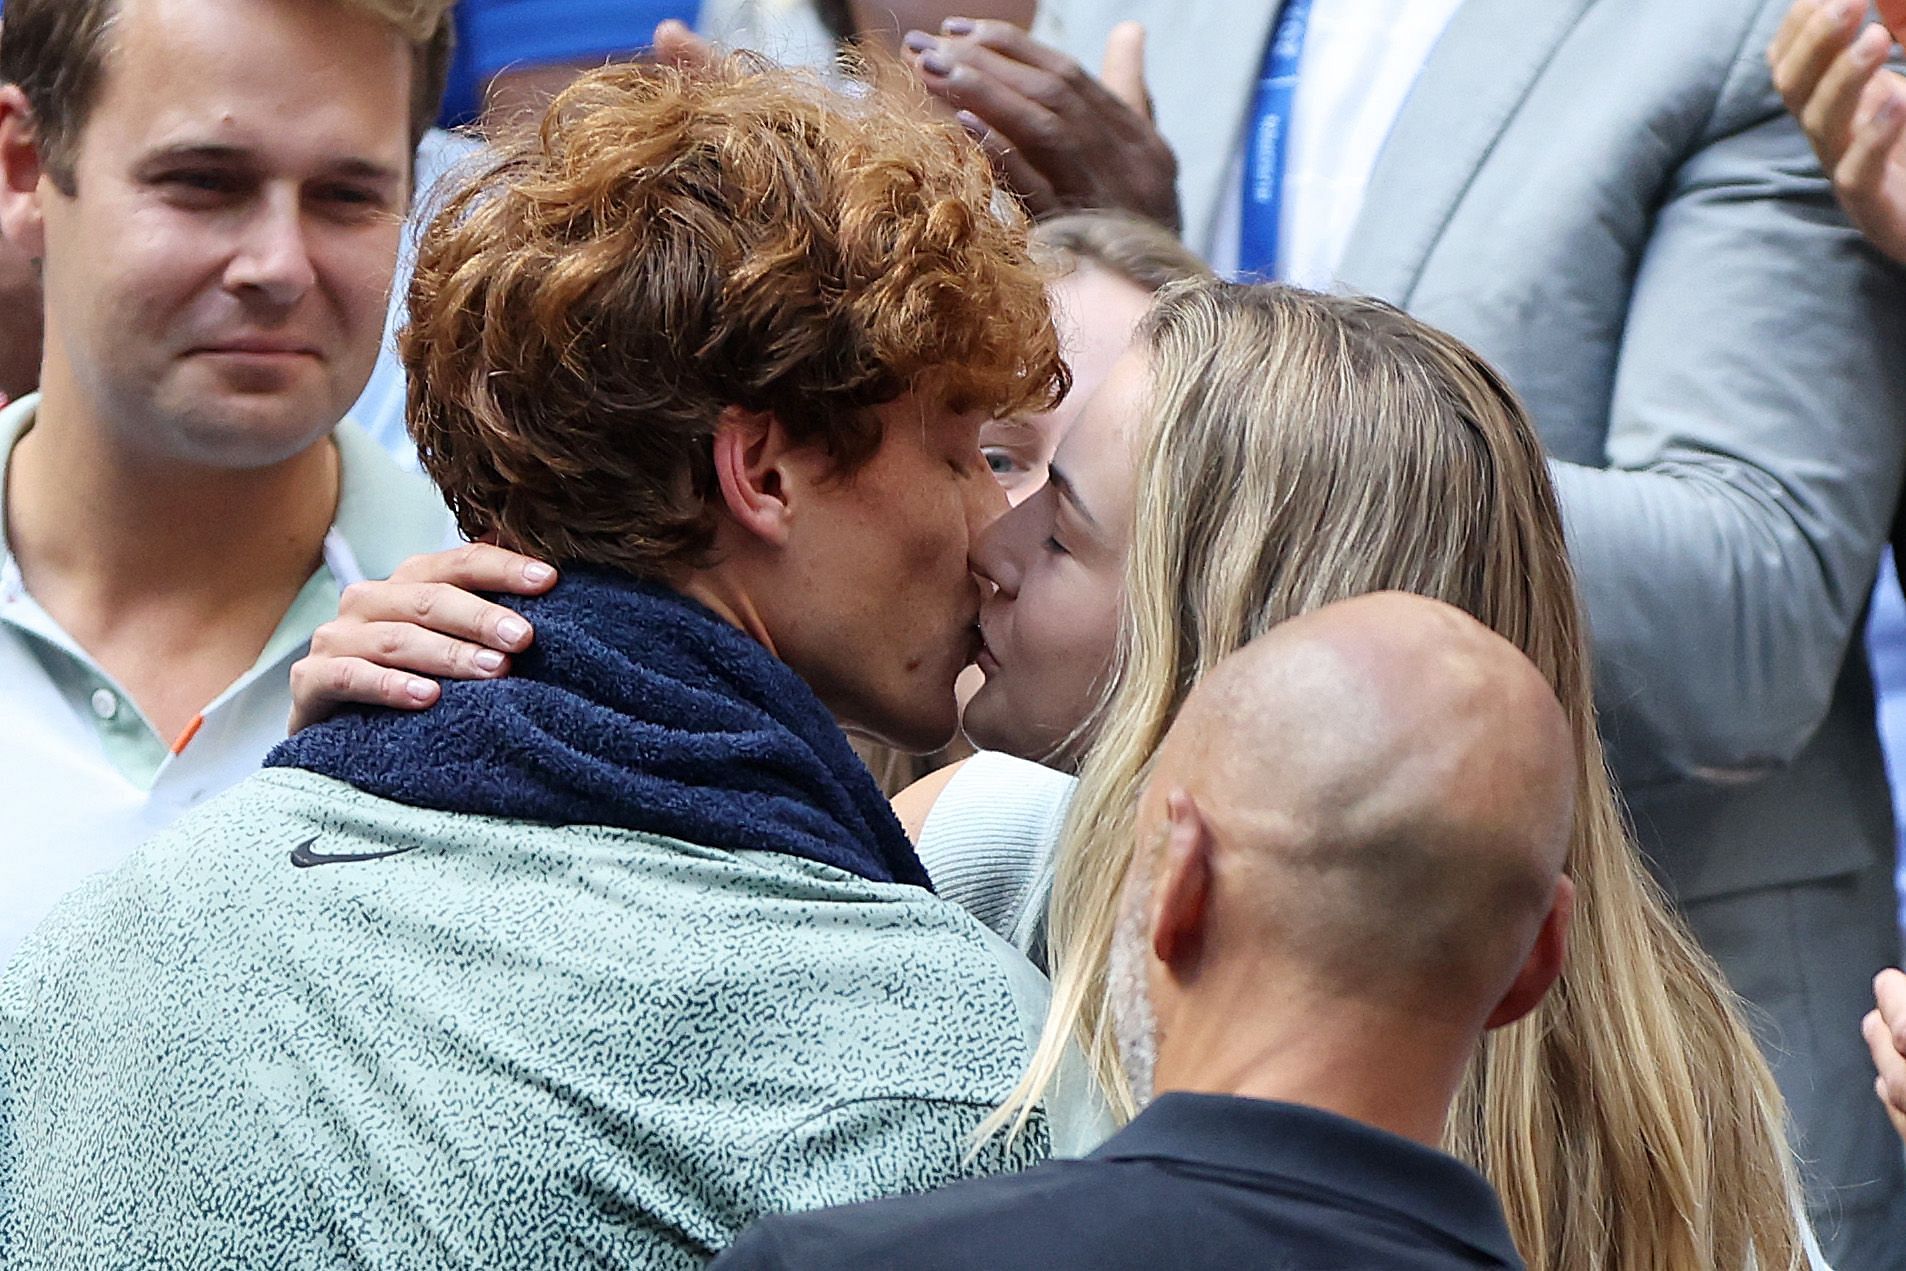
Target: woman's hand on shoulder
(424, 621)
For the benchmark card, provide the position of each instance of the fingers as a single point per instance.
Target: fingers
(1874, 142)
(1123, 70)
(479, 567)
(1015, 171)
(1027, 117)
(1012, 42)
(1821, 37)
(1890, 1066)
(409, 648)
(1828, 114)
(1059, 83)
(319, 685)
(675, 44)
(1889, 992)
(1082, 146)
(440, 608)
(1790, 29)
(390, 637)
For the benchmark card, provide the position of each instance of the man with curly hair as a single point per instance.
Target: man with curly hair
(208, 194)
(602, 960)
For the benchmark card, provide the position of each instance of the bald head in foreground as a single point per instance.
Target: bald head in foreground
(1358, 822)
(1349, 866)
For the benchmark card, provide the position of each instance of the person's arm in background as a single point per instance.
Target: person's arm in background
(1831, 70)
(1753, 453)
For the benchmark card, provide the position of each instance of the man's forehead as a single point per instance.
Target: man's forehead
(257, 75)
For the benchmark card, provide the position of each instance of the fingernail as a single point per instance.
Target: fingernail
(489, 660)
(934, 64)
(537, 573)
(512, 631)
(920, 41)
(419, 690)
(957, 26)
(971, 122)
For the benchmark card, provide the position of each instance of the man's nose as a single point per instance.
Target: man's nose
(989, 556)
(985, 504)
(273, 257)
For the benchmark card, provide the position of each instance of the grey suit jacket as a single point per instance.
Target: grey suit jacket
(1606, 199)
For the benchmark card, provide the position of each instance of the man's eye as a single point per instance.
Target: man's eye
(201, 182)
(352, 196)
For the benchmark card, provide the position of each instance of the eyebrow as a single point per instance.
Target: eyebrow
(1070, 493)
(1008, 429)
(357, 169)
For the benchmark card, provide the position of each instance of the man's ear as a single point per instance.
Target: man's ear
(1181, 886)
(753, 460)
(21, 219)
(1544, 962)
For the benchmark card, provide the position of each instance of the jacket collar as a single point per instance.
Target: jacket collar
(1320, 1149)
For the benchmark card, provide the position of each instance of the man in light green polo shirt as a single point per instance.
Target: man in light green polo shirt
(213, 199)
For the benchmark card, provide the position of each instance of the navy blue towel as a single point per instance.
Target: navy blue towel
(639, 708)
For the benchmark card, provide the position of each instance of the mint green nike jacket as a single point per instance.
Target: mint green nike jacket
(274, 1039)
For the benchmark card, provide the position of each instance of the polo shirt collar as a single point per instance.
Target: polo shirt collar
(1320, 1149)
(380, 519)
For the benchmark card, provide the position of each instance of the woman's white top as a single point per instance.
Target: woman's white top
(989, 840)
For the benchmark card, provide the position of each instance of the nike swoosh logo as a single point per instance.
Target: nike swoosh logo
(304, 858)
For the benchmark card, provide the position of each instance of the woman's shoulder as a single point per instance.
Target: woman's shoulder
(987, 831)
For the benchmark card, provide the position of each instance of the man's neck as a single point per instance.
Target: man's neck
(82, 512)
(1385, 1069)
(171, 575)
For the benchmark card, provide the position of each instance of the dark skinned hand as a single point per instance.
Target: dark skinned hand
(1060, 138)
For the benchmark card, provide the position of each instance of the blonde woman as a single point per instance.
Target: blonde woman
(1259, 454)
(1294, 450)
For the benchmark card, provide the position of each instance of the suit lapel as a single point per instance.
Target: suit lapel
(1476, 77)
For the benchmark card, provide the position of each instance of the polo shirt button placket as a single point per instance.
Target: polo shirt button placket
(105, 704)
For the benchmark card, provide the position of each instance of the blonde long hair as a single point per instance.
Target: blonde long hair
(1305, 449)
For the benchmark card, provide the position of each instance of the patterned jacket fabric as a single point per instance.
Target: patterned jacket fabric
(273, 1038)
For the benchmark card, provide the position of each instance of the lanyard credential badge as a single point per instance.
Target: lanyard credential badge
(1267, 149)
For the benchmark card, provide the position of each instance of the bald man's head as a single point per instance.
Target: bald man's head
(1388, 791)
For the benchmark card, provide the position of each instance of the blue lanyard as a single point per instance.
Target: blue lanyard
(1267, 150)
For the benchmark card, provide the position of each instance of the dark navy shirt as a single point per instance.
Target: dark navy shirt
(1196, 1181)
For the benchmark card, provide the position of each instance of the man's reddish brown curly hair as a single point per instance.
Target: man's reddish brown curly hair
(670, 242)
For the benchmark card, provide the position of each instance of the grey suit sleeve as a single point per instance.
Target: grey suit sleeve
(1757, 430)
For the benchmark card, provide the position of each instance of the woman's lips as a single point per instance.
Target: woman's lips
(984, 659)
